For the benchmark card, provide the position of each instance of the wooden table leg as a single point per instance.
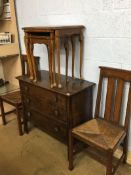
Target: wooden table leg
(66, 45)
(57, 43)
(33, 61)
(19, 121)
(25, 120)
(73, 56)
(71, 140)
(53, 59)
(81, 52)
(27, 47)
(50, 64)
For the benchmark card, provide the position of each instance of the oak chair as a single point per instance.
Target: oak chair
(14, 98)
(106, 133)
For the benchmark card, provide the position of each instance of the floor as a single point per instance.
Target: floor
(37, 153)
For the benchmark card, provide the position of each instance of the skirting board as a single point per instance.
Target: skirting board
(118, 153)
(129, 158)
(0, 120)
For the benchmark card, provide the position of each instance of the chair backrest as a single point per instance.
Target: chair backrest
(117, 80)
(24, 64)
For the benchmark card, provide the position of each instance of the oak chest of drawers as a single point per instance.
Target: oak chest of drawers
(55, 111)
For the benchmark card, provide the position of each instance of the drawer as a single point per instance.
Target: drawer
(49, 125)
(45, 107)
(41, 93)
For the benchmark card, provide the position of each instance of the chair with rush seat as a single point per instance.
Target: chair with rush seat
(107, 133)
(14, 98)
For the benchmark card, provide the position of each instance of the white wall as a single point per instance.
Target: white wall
(107, 34)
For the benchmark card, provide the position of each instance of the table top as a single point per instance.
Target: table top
(72, 87)
(41, 28)
(7, 88)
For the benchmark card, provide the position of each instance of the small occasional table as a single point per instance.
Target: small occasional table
(51, 36)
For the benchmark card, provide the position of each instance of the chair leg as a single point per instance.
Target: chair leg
(19, 121)
(2, 112)
(125, 150)
(25, 120)
(109, 163)
(70, 151)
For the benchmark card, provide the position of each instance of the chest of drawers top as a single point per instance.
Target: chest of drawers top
(72, 87)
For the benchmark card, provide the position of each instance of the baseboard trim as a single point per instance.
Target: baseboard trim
(118, 153)
(0, 120)
(129, 158)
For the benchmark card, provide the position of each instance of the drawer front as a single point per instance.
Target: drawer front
(49, 125)
(45, 107)
(40, 93)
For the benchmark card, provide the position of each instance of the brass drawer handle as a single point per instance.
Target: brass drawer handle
(56, 129)
(56, 112)
(28, 114)
(28, 100)
(55, 99)
(26, 88)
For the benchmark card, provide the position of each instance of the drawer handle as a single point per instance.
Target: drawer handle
(28, 100)
(26, 88)
(28, 114)
(56, 129)
(56, 112)
(55, 99)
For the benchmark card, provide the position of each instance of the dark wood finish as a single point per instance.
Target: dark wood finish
(56, 110)
(71, 143)
(24, 65)
(14, 98)
(51, 37)
(66, 45)
(73, 55)
(81, 52)
(27, 47)
(2, 111)
(109, 98)
(118, 100)
(105, 133)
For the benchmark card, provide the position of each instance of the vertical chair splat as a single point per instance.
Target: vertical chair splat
(118, 100)
(109, 98)
(98, 101)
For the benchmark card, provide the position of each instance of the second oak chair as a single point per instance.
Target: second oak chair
(106, 133)
(14, 98)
